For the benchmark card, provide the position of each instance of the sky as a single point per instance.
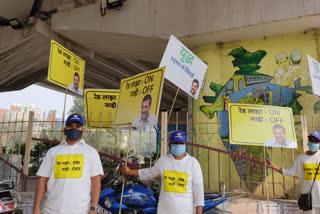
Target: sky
(44, 98)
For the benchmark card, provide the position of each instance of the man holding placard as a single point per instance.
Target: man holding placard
(306, 166)
(182, 189)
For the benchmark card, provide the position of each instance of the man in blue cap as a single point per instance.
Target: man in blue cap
(70, 174)
(181, 179)
(306, 166)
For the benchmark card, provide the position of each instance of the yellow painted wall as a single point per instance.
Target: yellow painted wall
(220, 70)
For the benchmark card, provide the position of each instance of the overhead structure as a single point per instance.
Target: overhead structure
(122, 42)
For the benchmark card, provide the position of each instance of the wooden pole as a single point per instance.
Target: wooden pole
(42, 134)
(20, 141)
(164, 132)
(173, 103)
(294, 178)
(272, 171)
(313, 126)
(140, 141)
(64, 112)
(14, 132)
(7, 138)
(283, 178)
(150, 145)
(265, 176)
(126, 163)
(52, 129)
(208, 144)
(28, 144)
(304, 132)
(116, 139)
(198, 135)
(177, 120)
(90, 121)
(100, 133)
(1, 151)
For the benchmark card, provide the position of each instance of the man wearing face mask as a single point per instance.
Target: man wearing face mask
(305, 166)
(70, 174)
(181, 179)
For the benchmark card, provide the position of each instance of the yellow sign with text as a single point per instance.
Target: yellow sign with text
(174, 181)
(68, 166)
(66, 69)
(101, 107)
(139, 99)
(261, 125)
(309, 171)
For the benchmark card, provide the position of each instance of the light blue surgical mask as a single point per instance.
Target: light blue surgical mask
(313, 146)
(178, 149)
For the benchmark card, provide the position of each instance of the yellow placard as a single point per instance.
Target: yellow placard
(66, 69)
(101, 107)
(139, 99)
(261, 125)
(174, 181)
(309, 171)
(68, 166)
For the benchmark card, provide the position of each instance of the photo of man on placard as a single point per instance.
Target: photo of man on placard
(279, 139)
(145, 118)
(194, 88)
(74, 87)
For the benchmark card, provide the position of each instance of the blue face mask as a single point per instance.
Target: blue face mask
(178, 149)
(313, 146)
(73, 134)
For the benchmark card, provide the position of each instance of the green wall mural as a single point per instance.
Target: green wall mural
(266, 72)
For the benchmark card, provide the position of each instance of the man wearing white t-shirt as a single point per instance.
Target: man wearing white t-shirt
(181, 179)
(305, 166)
(70, 174)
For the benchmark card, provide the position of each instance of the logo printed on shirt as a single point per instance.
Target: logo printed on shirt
(309, 170)
(68, 166)
(174, 181)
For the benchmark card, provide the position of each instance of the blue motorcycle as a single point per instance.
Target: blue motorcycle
(138, 198)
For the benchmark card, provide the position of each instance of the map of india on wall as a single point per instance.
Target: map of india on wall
(272, 71)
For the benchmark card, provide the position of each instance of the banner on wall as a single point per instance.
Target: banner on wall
(183, 68)
(139, 99)
(66, 69)
(100, 107)
(261, 125)
(314, 68)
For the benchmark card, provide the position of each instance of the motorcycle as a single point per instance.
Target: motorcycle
(9, 198)
(138, 198)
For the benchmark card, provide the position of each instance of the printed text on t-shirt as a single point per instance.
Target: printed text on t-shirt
(68, 166)
(174, 181)
(309, 170)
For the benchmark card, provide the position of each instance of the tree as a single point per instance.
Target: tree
(78, 107)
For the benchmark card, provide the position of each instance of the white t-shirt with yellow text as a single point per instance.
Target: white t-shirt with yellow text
(305, 166)
(181, 184)
(69, 169)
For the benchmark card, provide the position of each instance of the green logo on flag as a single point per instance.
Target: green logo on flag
(186, 56)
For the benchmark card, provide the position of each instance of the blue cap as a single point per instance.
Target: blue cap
(315, 134)
(177, 136)
(74, 118)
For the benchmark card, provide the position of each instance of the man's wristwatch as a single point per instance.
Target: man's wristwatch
(95, 209)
